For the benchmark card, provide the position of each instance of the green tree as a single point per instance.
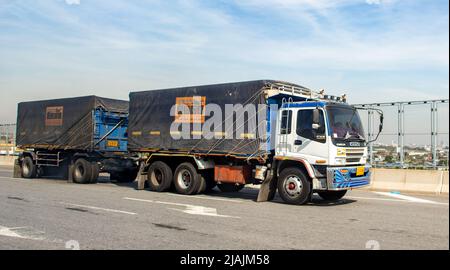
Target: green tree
(389, 159)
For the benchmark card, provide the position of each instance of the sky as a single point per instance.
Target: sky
(372, 50)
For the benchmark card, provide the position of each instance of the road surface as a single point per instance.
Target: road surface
(53, 214)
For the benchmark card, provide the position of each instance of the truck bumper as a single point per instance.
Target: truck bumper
(344, 178)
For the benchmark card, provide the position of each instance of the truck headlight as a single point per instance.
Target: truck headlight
(340, 161)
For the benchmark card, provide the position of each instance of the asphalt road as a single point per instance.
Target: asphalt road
(53, 214)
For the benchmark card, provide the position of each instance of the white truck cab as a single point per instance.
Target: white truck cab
(319, 147)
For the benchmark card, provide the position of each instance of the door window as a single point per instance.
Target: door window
(305, 126)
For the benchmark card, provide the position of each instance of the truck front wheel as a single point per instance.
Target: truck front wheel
(332, 195)
(82, 171)
(294, 186)
(186, 179)
(29, 170)
(159, 176)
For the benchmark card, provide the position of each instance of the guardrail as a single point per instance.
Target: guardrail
(414, 135)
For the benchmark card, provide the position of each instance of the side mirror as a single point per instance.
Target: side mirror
(316, 117)
(381, 124)
(315, 126)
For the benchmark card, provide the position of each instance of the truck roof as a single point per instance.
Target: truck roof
(303, 104)
(217, 85)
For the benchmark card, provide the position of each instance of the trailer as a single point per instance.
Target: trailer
(283, 136)
(74, 138)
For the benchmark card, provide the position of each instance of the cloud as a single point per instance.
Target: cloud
(380, 2)
(373, 2)
(72, 2)
(121, 45)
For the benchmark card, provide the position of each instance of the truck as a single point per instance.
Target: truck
(74, 138)
(280, 135)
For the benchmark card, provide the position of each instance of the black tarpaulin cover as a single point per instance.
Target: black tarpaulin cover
(150, 119)
(65, 123)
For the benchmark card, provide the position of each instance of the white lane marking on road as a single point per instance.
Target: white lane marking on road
(100, 208)
(409, 198)
(189, 208)
(375, 199)
(21, 232)
(205, 198)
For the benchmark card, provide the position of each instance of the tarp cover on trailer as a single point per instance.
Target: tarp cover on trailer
(61, 123)
(150, 119)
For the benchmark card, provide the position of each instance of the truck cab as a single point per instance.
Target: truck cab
(319, 147)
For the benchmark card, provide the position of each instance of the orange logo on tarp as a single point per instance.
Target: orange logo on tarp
(54, 116)
(196, 107)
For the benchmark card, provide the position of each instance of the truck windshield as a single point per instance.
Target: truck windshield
(345, 123)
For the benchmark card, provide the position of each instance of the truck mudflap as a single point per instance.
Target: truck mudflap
(343, 178)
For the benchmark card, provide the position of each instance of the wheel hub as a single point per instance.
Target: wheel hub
(293, 186)
(184, 179)
(25, 168)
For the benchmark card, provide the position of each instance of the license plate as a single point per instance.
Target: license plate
(360, 171)
(112, 143)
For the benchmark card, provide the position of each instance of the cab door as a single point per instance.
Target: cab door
(309, 139)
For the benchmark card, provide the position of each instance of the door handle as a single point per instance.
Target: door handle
(298, 142)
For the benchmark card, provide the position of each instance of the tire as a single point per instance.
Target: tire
(95, 172)
(207, 181)
(28, 168)
(332, 195)
(202, 186)
(294, 186)
(159, 176)
(186, 179)
(82, 171)
(229, 187)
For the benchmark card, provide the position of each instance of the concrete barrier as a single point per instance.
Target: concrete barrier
(444, 186)
(7, 160)
(416, 181)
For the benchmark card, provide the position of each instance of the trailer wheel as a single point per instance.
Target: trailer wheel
(159, 176)
(294, 186)
(229, 187)
(82, 171)
(207, 182)
(186, 179)
(332, 195)
(29, 170)
(95, 172)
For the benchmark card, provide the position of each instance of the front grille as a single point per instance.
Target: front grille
(354, 155)
(352, 160)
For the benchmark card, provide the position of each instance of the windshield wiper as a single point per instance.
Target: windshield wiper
(357, 135)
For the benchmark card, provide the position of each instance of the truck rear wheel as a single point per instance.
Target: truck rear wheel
(95, 172)
(28, 168)
(207, 181)
(186, 179)
(294, 186)
(230, 187)
(159, 176)
(332, 195)
(82, 171)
